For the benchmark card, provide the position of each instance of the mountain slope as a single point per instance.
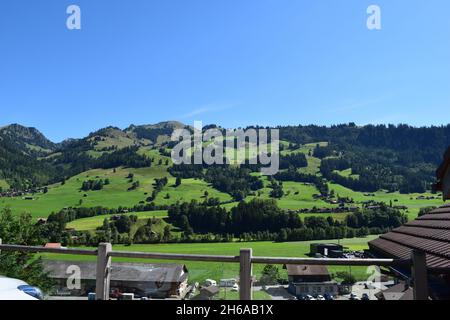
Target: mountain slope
(27, 140)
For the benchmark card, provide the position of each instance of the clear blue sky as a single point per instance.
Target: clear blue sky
(230, 62)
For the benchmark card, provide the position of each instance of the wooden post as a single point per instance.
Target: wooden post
(103, 274)
(0, 244)
(245, 280)
(419, 275)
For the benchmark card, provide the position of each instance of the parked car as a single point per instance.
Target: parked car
(320, 297)
(328, 296)
(354, 297)
(365, 296)
(15, 289)
(309, 297)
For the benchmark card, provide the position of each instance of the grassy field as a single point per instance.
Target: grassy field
(409, 200)
(347, 173)
(199, 271)
(113, 195)
(296, 195)
(91, 223)
(69, 195)
(190, 189)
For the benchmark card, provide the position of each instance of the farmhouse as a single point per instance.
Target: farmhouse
(310, 280)
(149, 280)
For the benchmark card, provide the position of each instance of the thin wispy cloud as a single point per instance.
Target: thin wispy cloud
(359, 104)
(210, 108)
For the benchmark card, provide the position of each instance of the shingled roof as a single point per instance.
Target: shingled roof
(136, 272)
(429, 233)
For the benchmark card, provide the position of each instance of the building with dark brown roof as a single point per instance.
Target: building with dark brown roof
(430, 234)
(310, 280)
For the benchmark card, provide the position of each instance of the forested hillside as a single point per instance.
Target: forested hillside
(394, 158)
(121, 185)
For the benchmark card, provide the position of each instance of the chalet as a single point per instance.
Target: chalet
(310, 280)
(144, 280)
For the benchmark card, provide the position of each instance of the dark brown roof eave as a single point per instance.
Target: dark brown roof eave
(440, 172)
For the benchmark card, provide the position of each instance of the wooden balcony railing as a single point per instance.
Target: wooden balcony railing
(105, 253)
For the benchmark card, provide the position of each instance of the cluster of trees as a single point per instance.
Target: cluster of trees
(21, 265)
(277, 189)
(293, 175)
(375, 175)
(116, 229)
(94, 185)
(126, 157)
(148, 233)
(235, 181)
(322, 152)
(263, 220)
(296, 160)
(158, 185)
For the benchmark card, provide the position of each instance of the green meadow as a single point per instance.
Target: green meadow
(296, 195)
(410, 200)
(92, 223)
(114, 195)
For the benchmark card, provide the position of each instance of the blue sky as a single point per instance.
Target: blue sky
(230, 62)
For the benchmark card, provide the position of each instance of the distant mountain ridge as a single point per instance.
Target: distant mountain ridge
(27, 139)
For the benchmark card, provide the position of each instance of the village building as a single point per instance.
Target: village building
(157, 281)
(400, 291)
(207, 293)
(310, 280)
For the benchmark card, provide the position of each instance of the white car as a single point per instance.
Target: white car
(235, 288)
(320, 297)
(14, 289)
(210, 282)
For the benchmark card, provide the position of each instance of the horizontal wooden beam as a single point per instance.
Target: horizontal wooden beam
(330, 261)
(171, 256)
(13, 247)
(215, 258)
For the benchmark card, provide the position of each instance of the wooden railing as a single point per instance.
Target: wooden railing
(245, 258)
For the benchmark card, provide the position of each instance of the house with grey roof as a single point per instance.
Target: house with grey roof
(144, 280)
